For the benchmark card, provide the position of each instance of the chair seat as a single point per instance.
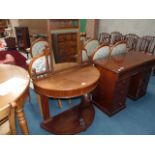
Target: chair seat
(5, 128)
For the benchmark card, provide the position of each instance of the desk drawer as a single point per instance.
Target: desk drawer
(120, 93)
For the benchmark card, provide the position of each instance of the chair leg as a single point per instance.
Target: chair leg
(39, 102)
(59, 103)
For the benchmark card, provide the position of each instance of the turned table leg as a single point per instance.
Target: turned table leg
(45, 107)
(20, 113)
(22, 121)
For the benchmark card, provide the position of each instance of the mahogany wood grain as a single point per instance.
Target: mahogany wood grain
(67, 84)
(122, 75)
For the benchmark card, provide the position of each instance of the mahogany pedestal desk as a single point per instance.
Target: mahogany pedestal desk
(16, 91)
(68, 84)
(121, 76)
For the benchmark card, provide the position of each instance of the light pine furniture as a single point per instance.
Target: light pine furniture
(74, 82)
(7, 119)
(16, 92)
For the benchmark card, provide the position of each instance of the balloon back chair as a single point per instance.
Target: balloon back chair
(115, 37)
(101, 52)
(142, 45)
(37, 47)
(131, 40)
(90, 45)
(118, 48)
(151, 47)
(84, 55)
(104, 38)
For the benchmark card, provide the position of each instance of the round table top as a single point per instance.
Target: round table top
(69, 83)
(14, 81)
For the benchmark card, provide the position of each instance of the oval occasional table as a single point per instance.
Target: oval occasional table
(75, 82)
(14, 87)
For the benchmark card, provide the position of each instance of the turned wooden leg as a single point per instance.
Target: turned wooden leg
(22, 121)
(12, 121)
(39, 102)
(20, 113)
(45, 107)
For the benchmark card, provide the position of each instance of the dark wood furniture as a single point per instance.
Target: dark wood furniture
(10, 43)
(70, 83)
(14, 92)
(3, 25)
(23, 39)
(121, 76)
(64, 39)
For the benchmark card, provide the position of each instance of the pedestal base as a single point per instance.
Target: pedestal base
(71, 121)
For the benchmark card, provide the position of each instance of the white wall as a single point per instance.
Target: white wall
(140, 27)
(14, 23)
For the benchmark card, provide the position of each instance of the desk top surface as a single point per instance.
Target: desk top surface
(14, 81)
(124, 61)
(69, 83)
